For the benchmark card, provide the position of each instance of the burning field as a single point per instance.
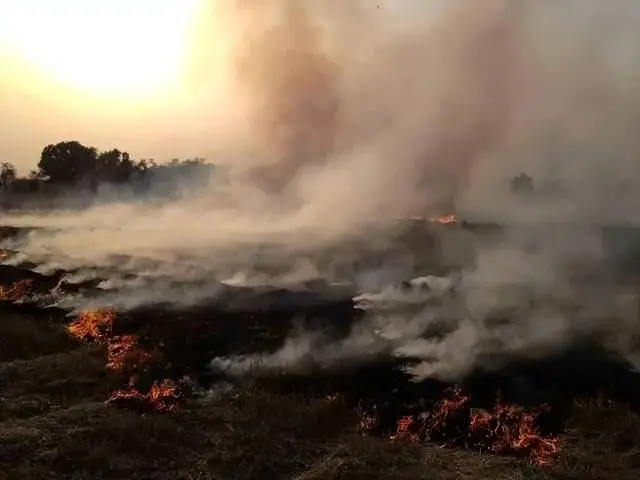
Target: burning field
(506, 411)
(366, 285)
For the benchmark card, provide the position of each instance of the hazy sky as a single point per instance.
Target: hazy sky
(108, 73)
(139, 75)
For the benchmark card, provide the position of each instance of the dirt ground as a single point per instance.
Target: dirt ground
(54, 424)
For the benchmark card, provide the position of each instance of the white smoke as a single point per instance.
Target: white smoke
(345, 116)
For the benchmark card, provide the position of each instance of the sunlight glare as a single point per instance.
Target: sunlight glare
(122, 47)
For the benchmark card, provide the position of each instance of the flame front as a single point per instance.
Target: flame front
(125, 356)
(94, 325)
(508, 429)
(511, 430)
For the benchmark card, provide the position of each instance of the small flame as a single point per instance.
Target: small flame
(368, 423)
(16, 291)
(448, 406)
(94, 325)
(124, 353)
(443, 422)
(161, 398)
(445, 220)
(512, 429)
(160, 392)
(506, 429)
(407, 430)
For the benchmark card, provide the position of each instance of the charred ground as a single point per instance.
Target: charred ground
(169, 415)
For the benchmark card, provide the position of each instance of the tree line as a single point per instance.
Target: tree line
(71, 166)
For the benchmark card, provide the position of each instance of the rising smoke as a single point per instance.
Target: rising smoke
(348, 114)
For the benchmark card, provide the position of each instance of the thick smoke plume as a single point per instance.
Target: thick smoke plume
(348, 123)
(349, 115)
(291, 87)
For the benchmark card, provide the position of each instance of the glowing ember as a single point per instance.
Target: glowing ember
(93, 325)
(123, 353)
(15, 291)
(162, 397)
(406, 430)
(368, 423)
(445, 220)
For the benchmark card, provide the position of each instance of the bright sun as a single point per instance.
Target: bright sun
(105, 47)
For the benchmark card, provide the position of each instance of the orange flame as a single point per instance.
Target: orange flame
(161, 392)
(452, 404)
(436, 423)
(92, 325)
(16, 291)
(511, 429)
(161, 398)
(407, 430)
(507, 429)
(123, 353)
(446, 220)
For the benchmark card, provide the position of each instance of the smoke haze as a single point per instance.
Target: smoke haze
(343, 115)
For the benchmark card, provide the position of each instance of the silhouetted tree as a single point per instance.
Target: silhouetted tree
(67, 162)
(71, 165)
(116, 167)
(72, 162)
(522, 183)
(24, 186)
(8, 175)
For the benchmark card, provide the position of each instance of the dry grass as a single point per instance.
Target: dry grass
(53, 381)
(24, 338)
(258, 435)
(253, 435)
(54, 424)
(601, 442)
